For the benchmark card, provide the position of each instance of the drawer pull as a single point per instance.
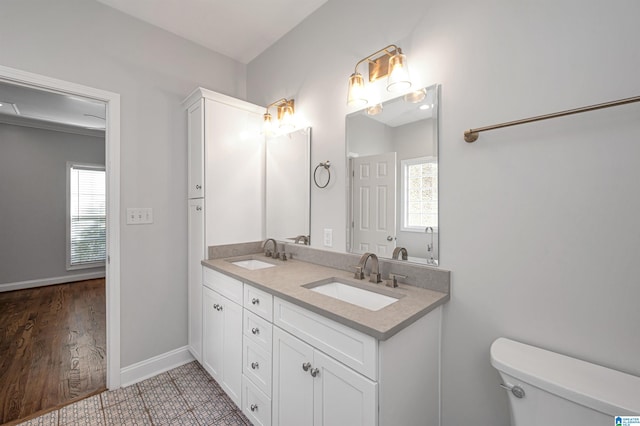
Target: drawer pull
(306, 366)
(255, 365)
(255, 330)
(254, 407)
(314, 372)
(255, 301)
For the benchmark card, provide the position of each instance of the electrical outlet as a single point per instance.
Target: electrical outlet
(328, 237)
(139, 216)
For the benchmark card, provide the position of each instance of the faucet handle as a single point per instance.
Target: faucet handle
(394, 280)
(375, 278)
(359, 274)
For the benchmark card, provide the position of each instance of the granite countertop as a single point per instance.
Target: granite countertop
(286, 280)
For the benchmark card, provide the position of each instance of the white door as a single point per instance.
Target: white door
(292, 385)
(374, 204)
(196, 252)
(231, 380)
(342, 396)
(195, 139)
(212, 333)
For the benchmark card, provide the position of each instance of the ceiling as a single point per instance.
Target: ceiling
(21, 104)
(240, 29)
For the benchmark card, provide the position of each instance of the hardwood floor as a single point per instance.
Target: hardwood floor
(52, 347)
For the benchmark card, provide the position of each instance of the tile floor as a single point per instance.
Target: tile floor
(186, 395)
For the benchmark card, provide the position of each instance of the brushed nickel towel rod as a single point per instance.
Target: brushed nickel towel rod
(471, 135)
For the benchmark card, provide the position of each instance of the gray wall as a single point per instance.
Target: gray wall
(88, 43)
(33, 200)
(538, 222)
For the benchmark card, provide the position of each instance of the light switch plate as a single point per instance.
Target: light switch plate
(139, 216)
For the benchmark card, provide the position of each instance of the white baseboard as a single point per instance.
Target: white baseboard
(153, 366)
(21, 285)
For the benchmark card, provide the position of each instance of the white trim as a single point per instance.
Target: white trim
(153, 366)
(200, 93)
(112, 160)
(21, 285)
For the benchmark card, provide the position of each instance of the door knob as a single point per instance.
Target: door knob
(389, 238)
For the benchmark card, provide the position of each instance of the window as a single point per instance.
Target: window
(419, 194)
(86, 226)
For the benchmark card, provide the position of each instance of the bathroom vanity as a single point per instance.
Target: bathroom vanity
(289, 355)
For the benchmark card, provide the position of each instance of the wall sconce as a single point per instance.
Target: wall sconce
(392, 64)
(284, 117)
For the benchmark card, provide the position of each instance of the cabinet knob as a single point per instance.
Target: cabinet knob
(198, 186)
(255, 330)
(255, 301)
(314, 372)
(216, 306)
(254, 407)
(198, 208)
(306, 366)
(255, 365)
(220, 307)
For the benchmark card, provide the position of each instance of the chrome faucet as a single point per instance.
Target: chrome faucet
(375, 271)
(397, 251)
(268, 252)
(303, 238)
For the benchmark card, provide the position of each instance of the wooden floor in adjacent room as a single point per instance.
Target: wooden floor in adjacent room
(52, 347)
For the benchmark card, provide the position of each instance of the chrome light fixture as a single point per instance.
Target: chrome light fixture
(284, 117)
(392, 64)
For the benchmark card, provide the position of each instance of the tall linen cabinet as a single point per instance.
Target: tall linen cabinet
(225, 186)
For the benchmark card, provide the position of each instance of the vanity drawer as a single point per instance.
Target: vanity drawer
(259, 302)
(351, 347)
(258, 330)
(255, 404)
(256, 365)
(223, 284)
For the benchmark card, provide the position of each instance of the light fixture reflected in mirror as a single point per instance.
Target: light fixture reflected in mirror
(392, 63)
(284, 117)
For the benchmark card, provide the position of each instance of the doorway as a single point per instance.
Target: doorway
(112, 167)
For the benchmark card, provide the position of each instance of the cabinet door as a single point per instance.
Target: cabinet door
(195, 138)
(212, 333)
(342, 396)
(231, 380)
(196, 252)
(292, 385)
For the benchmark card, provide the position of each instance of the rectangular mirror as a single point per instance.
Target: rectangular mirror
(392, 157)
(287, 179)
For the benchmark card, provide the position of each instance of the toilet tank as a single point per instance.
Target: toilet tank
(560, 390)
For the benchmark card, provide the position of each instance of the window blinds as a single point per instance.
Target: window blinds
(87, 206)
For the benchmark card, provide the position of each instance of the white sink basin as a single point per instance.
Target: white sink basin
(357, 296)
(252, 264)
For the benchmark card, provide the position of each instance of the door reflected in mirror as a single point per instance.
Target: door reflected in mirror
(287, 191)
(392, 155)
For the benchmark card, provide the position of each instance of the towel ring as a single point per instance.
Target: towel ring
(326, 166)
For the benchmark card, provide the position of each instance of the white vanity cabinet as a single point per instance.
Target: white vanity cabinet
(222, 332)
(285, 365)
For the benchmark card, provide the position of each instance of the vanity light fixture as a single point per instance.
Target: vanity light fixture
(285, 112)
(391, 64)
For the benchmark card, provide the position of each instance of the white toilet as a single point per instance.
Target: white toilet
(546, 388)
